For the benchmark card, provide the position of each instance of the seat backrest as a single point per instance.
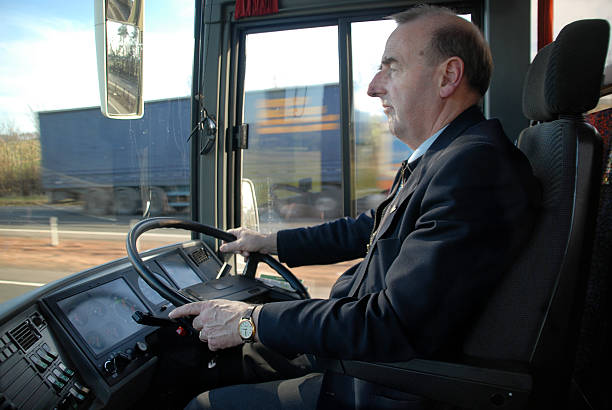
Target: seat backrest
(592, 377)
(532, 319)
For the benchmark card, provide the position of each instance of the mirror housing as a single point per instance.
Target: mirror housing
(119, 28)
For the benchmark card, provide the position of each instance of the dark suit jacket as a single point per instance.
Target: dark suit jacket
(443, 244)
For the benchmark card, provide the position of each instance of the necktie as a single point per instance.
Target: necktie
(404, 172)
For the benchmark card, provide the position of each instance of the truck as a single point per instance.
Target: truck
(99, 161)
(114, 167)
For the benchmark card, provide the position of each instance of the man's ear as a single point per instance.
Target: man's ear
(452, 74)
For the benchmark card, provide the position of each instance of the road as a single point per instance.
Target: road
(28, 259)
(67, 215)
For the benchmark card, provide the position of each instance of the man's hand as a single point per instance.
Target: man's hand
(250, 241)
(216, 320)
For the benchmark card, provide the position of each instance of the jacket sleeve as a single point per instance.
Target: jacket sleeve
(340, 240)
(472, 218)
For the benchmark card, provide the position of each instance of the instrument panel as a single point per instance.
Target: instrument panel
(102, 316)
(76, 344)
(98, 314)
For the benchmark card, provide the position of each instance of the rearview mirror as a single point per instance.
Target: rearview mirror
(119, 34)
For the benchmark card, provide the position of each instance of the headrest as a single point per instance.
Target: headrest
(565, 76)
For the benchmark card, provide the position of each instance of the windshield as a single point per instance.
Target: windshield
(72, 182)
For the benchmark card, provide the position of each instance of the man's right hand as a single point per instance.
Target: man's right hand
(250, 241)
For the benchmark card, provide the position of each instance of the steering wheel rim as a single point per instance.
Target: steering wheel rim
(173, 295)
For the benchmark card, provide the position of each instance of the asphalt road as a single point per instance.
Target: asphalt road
(76, 226)
(72, 224)
(67, 215)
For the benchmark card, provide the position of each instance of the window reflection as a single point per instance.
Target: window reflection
(124, 68)
(292, 106)
(71, 181)
(377, 152)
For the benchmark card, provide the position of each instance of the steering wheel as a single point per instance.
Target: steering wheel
(172, 295)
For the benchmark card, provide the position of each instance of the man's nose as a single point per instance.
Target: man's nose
(375, 89)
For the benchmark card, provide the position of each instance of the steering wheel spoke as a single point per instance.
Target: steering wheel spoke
(176, 297)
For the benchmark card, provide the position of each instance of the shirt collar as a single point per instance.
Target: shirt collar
(425, 145)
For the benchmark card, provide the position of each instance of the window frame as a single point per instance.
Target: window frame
(217, 174)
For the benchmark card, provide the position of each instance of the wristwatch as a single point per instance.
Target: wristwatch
(246, 326)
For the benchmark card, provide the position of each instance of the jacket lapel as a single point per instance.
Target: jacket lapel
(465, 120)
(457, 127)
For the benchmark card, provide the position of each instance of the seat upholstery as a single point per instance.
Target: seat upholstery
(592, 378)
(533, 318)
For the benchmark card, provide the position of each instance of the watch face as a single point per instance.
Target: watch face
(246, 329)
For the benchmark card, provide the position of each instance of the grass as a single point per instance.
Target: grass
(20, 174)
(13, 200)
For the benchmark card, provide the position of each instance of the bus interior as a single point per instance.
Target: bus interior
(276, 131)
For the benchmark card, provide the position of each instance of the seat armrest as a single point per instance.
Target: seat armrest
(456, 384)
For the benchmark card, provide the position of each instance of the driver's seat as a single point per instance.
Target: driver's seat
(520, 352)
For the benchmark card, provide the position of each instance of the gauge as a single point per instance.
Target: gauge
(96, 308)
(113, 331)
(78, 318)
(148, 291)
(95, 340)
(124, 308)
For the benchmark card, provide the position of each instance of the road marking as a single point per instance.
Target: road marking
(122, 234)
(13, 282)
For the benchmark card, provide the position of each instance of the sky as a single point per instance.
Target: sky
(48, 57)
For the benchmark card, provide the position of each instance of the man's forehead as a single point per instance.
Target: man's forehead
(405, 40)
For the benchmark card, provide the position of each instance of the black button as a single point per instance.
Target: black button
(44, 356)
(61, 376)
(77, 395)
(57, 385)
(42, 366)
(50, 351)
(66, 370)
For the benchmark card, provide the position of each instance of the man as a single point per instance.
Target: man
(455, 218)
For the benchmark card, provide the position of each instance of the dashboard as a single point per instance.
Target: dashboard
(73, 343)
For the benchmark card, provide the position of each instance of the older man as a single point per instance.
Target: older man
(455, 218)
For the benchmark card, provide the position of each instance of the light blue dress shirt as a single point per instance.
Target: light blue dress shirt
(425, 145)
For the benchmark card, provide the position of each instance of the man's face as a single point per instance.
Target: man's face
(405, 83)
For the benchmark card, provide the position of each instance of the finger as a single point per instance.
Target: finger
(225, 247)
(232, 247)
(236, 232)
(190, 309)
(229, 246)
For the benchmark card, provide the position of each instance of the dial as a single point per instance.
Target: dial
(95, 340)
(245, 328)
(124, 308)
(96, 308)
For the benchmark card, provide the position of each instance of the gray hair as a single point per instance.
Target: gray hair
(455, 40)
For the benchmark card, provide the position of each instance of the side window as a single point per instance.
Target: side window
(292, 103)
(378, 154)
(292, 106)
(72, 182)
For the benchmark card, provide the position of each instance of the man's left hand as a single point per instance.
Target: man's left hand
(216, 320)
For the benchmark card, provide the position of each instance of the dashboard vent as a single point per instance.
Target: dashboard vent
(25, 335)
(199, 256)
